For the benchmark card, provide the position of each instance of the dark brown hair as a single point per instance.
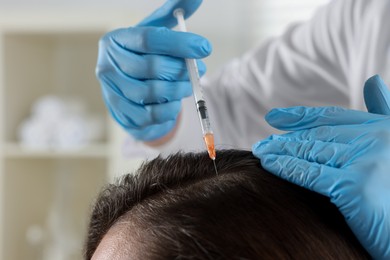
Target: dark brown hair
(183, 210)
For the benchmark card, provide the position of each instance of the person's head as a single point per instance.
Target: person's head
(178, 208)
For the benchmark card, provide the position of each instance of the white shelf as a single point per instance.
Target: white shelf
(15, 150)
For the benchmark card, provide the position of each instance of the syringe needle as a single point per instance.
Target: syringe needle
(215, 167)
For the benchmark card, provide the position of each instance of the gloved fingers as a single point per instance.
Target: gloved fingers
(142, 116)
(163, 16)
(132, 115)
(157, 40)
(152, 91)
(161, 113)
(377, 96)
(316, 177)
(152, 132)
(145, 92)
(158, 91)
(342, 134)
(144, 67)
(335, 155)
(299, 118)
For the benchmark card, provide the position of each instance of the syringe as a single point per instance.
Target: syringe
(193, 72)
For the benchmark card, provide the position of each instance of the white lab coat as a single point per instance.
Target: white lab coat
(322, 62)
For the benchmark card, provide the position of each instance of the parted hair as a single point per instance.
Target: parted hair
(184, 210)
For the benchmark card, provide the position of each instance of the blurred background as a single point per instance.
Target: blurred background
(58, 145)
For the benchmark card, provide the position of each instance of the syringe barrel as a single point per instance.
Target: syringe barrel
(192, 68)
(203, 117)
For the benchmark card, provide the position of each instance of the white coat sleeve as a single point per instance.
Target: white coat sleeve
(324, 61)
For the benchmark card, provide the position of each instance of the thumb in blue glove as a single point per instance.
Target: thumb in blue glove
(377, 96)
(163, 16)
(142, 72)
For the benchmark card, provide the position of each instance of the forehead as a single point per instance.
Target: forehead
(116, 245)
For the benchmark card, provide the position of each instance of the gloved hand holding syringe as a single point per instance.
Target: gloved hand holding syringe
(193, 72)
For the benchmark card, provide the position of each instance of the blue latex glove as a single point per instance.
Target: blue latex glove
(343, 154)
(143, 74)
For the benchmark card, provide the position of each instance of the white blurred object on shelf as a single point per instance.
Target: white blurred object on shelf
(59, 123)
(35, 236)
